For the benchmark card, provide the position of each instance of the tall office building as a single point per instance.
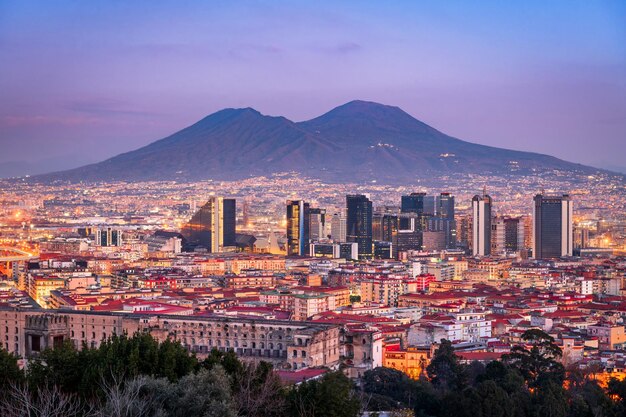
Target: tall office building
(445, 209)
(413, 203)
(317, 223)
(507, 235)
(481, 225)
(464, 230)
(552, 226)
(338, 227)
(359, 223)
(581, 237)
(389, 226)
(445, 206)
(407, 233)
(213, 226)
(298, 223)
(109, 237)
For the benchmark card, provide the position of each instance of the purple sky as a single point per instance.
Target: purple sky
(81, 81)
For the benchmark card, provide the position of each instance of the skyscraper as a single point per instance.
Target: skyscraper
(359, 223)
(481, 225)
(406, 233)
(298, 223)
(338, 227)
(213, 226)
(552, 226)
(109, 237)
(317, 223)
(507, 235)
(445, 209)
(413, 203)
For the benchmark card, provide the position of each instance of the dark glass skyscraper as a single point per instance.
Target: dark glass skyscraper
(513, 234)
(552, 226)
(408, 234)
(413, 203)
(445, 209)
(359, 223)
(213, 226)
(298, 223)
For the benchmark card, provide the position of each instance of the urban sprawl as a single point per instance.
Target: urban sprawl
(315, 277)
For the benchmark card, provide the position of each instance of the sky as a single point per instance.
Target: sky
(81, 81)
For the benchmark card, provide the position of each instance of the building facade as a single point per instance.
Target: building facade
(552, 226)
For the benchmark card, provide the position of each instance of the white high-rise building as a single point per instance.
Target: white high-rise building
(338, 227)
(481, 225)
(317, 224)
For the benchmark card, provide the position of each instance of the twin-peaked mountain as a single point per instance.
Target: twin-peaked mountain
(359, 141)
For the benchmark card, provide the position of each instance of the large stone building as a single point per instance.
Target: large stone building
(289, 345)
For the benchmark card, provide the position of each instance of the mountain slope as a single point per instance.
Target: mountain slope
(357, 141)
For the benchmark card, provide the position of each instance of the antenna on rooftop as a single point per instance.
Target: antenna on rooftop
(484, 190)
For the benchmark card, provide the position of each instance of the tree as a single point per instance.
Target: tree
(10, 372)
(21, 401)
(393, 388)
(445, 371)
(538, 364)
(205, 394)
(549, 400)
(258, 391)
(228, 360)
(617, 389)
(495, 401)
(505, 377)
(59, 367)
(143, 396)
(331, 396)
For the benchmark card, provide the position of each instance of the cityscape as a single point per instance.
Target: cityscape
(359, 263)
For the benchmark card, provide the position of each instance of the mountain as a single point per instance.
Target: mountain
(358, 141)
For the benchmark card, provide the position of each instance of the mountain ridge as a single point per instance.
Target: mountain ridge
(357, 141)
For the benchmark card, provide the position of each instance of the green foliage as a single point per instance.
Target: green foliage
(331, 396)
(60, 367)
(538, 364)
(137, 376)
(505, 377)
(550, 400)
(205, 394)
(529, 383)
(120, 357)
(444, 369)
(10, 372)
(228, 360)
(391, 389)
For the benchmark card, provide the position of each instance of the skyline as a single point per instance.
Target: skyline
(82, 84)
(273, 208)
